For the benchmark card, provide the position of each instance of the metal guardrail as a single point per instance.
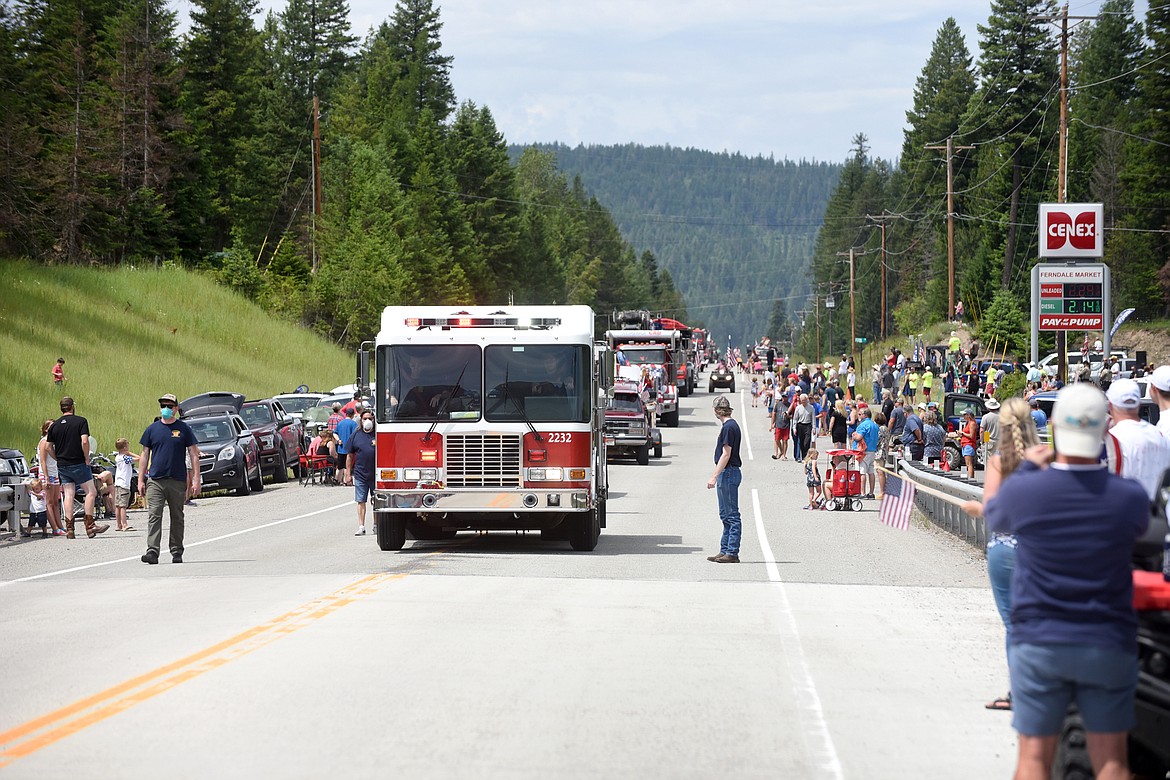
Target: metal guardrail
(944, 514)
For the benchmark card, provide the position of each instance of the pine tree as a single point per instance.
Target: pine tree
(20, 210)
(1013, 118)
(314, 48)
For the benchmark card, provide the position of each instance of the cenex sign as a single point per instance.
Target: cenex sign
(1071, 230)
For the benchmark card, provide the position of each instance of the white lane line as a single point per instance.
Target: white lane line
(747, 439)
(193, 544)
(802, 680)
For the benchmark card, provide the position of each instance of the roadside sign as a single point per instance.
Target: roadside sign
(830, 303)
(1072, 230)
(1071, 297)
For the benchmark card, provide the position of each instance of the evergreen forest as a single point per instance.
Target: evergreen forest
(735, 233)
(127, 144)
(1001, 112)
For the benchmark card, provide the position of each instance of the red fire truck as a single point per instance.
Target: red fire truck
(488, 418)
(654, 350)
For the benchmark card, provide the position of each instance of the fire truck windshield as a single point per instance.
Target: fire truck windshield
(418, 382)
(643, 355)
(543, 382)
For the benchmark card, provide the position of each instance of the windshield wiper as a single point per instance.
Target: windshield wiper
(519, 406)
(442, 409)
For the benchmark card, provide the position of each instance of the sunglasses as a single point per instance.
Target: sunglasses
(167, 406)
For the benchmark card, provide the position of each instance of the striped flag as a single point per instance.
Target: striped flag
(897, 501)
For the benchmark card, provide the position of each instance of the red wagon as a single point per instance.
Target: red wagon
(846, 481)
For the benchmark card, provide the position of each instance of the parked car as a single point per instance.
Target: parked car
(297, 404)
(13, 492)
(229, 457)
(721, 376)
(1148, 410)
(279, 434)
(954, 406)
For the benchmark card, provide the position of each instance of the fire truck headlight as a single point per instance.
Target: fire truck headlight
(546, 475)
(419, 475)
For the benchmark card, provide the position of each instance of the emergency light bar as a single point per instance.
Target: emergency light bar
(518, 323)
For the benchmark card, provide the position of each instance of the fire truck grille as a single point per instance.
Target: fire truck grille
(479, 460)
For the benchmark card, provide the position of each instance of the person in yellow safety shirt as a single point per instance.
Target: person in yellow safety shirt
(912, 383)
(927, 384)
(954, 347)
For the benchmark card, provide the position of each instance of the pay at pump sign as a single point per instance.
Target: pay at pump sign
(1070, 297)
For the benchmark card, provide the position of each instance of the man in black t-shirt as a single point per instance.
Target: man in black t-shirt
(727, 479)
(68, 439)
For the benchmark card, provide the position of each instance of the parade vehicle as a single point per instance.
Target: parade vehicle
(654, 350)
(685, 365)
(488, 419)
(279, 434)
(721, 376)
(628, 429)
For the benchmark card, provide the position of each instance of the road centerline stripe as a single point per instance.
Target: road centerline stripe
(32, 736)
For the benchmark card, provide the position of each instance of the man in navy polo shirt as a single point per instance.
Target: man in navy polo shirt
(1074, 631)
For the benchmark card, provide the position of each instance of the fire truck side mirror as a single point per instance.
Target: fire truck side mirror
(363, 367)
(604, 366)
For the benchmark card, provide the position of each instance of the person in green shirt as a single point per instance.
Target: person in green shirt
(955, 347)
(912, 383)
(927, 384)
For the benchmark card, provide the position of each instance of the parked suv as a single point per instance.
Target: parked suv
(279, 435)
(229, 457)
(13, 491)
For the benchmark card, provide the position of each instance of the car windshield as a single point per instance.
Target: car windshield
(207, 431)
(625, 403)
(642, 355)
(256, 416)
(429, 382)
(298, 405)
(549, 382)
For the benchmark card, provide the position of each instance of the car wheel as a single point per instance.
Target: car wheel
(281, 473)
(710, 387)
(391, 531)
(954, 458)
(643, 454)
(245, 488)
(258, 485)
(671, 419)
(658, 450)
(732, 388)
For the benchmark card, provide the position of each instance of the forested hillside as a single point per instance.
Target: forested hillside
(735, 233)
(126, 144)
(1001, 111)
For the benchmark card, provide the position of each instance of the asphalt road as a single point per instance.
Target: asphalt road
(287, 647)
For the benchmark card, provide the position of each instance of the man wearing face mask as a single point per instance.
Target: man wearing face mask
(359, 467)
(165, 444)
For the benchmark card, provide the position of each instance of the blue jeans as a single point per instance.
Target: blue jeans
(1001, 562)
(727, 490)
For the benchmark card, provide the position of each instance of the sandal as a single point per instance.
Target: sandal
(1002, 703)
(128, 528)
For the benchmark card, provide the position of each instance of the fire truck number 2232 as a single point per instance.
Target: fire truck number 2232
(488, 419)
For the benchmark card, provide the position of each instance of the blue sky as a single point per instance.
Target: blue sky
(791, 79)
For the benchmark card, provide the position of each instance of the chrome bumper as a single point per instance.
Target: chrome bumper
(440, 500)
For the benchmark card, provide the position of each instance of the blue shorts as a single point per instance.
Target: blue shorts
(1046, 679)
(968, 450)
(362, 491)
(78, 475)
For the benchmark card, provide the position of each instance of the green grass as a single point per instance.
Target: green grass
(128, 336)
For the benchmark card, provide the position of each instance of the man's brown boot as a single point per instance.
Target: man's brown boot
(92, 529)
(69, 524)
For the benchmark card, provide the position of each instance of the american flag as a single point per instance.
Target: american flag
(897, 501)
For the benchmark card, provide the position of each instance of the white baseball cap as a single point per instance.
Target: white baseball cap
(1124, 394)
(1161, 378)
(1079, 419)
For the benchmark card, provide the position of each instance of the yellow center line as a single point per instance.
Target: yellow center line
(44, 731)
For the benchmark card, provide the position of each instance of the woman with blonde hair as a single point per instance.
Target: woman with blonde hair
(1017, 435)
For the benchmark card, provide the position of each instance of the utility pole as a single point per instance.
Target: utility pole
(950, 150)
(852, 316)
(882, 223)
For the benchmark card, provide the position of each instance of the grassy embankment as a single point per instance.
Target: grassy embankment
(130, 335)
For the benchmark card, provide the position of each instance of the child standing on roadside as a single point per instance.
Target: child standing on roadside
(812, 478)
(124, 461)
(755, 391)
(38, 508)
